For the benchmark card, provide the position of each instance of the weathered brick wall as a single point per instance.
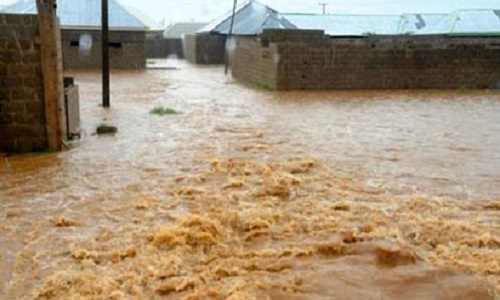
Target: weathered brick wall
(379, 62)
(127, 49)
(257, 65)
(205, 48)
(22, 109)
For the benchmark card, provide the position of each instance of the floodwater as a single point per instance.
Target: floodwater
(248, 194)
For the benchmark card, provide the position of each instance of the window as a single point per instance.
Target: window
(115, 45)
(74, 44)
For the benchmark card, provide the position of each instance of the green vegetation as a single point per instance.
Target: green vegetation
(163, 111)
(464, 90)
(268, 88)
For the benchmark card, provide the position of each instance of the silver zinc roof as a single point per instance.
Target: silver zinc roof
(251, 18)
(83, 14)
(177, 30)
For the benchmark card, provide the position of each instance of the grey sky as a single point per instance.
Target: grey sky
(206, 10)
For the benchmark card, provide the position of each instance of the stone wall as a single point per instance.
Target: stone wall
(204, 48)
(22, 107)
(82, 49)
(309, 60)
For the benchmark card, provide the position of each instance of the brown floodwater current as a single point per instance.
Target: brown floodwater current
(249, 194)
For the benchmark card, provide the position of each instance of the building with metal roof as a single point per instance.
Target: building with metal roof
(80, 22)
(251, 18)
(78, 14)
(178, 30)
(168, 42)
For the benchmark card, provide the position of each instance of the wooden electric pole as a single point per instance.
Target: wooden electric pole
(105, 53)
(229, 36)
(324, 4)
(51, 62)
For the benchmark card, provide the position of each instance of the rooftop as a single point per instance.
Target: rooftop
(177, 30)
(462, 22)
(84, 14)
(251, 18)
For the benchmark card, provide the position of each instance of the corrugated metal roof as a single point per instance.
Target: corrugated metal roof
(177, 30)
(467, 22)
(462, 22)
(346, 25)
(83, 14)
(413, 23)
(251, 18)
(145, 19)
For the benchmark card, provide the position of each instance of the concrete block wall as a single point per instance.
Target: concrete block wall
(256, 65)
(22, 108)
(205, 48)
(307, 61)
(127, 49)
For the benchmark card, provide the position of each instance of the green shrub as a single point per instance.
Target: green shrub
(163, 111)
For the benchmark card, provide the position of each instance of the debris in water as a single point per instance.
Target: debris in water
(106, 129)
(64, 222)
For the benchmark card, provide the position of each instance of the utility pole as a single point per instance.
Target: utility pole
(105, 53)
(324, 4)
(51, 61)
(226, 56)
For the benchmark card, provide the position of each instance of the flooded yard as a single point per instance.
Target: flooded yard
(250, 194)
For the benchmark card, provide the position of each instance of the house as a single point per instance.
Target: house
(80, 23)
(168, 42)
(208, 45)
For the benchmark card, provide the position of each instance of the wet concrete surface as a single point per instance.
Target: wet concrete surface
(414, 163)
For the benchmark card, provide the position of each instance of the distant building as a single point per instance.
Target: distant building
(81, 37)
(168, 42)
(208, 45)
(178, 30)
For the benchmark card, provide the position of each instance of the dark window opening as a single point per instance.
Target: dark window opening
(74, 44)
(115, 45)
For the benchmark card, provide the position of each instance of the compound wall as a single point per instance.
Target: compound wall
(303, 60)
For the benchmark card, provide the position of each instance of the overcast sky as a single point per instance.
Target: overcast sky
(206, 10)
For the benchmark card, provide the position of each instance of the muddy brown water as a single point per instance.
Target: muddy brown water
(248, 194)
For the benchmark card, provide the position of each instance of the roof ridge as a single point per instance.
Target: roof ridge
(347, 15)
